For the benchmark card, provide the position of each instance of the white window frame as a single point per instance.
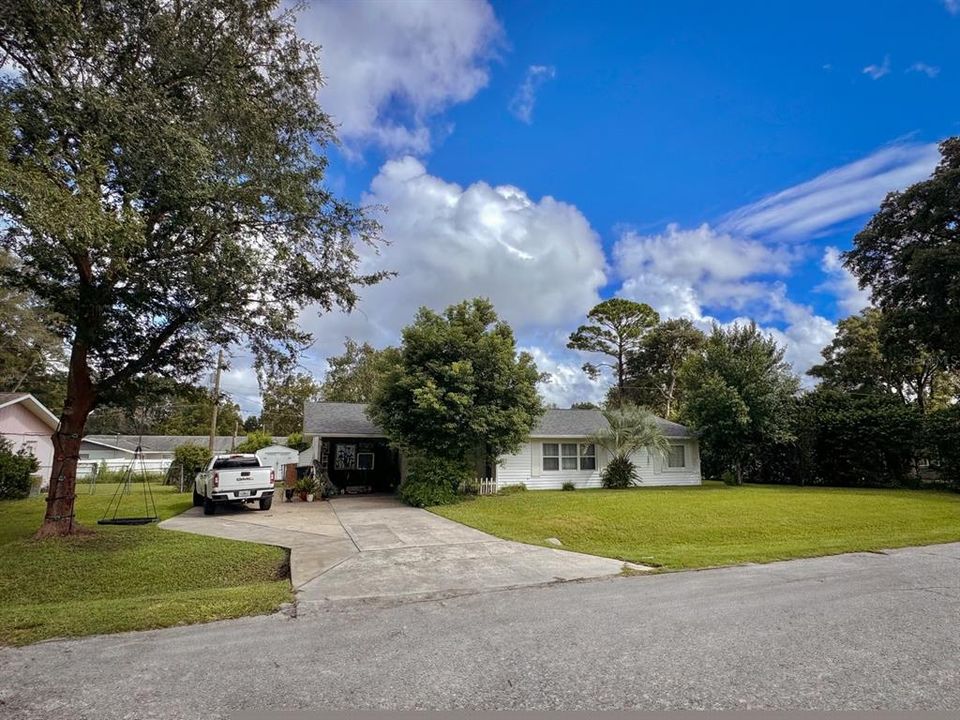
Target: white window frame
(578, 457)
(372, 460)
(666, 460)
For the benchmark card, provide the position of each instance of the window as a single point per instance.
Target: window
(551, 456)
(236, 461)
(569, 456)
(365, 461)
(676, 456)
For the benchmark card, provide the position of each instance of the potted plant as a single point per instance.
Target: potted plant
(306, 487)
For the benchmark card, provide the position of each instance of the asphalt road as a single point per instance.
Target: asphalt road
(865, 631)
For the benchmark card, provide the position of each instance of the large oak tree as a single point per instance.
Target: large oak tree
(161, 189)
(908, 255)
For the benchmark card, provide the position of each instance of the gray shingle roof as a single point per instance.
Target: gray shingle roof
(336, 418)
(327, 418)
(168, 443)
(583, 423)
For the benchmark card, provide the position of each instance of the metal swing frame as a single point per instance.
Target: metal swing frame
(149, 505)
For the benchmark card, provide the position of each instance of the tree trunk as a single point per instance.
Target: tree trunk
(59, 520)
(670, 392)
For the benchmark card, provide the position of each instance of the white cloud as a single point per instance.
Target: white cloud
(678, 270)
(931, 71)
(836, 196)
(682, 273)
(521, 106)
(391, 67)
(539, 261)
(952, 6)
(842, 284)
(568, 383)
(878, 71)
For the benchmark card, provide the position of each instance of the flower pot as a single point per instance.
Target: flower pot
(310, 497)
(303, 497)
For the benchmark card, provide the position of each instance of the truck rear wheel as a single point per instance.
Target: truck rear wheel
(208, 506)
(266, 502)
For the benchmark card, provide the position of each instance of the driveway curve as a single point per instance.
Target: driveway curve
(375, 548)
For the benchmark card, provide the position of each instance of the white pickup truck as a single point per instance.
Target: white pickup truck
(233, 478)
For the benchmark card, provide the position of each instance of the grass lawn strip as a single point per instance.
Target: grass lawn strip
(713, 525)
(126, 578)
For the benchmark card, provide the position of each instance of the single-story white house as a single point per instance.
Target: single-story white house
(355, 452)
(28, 426)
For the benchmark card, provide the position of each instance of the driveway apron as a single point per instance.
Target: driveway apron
(366, 548)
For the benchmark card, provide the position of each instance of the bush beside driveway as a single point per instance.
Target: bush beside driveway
(712, 525)
(126, 578)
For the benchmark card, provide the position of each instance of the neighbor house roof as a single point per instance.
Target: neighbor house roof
(350, 419)
(167, 443)
(32, 404)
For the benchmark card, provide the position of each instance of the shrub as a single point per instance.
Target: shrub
(432, 481)
(619, 473)
(512, 489)
(15, 471)
(569, 486)
(942, 442)
(297, 442)
(469, 486)
(858, 440)
(192, 458)
(257, 440)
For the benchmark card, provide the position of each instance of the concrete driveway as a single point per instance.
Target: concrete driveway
(375, 548)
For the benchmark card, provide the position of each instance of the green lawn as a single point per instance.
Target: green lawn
(126, 578)
(714, 524)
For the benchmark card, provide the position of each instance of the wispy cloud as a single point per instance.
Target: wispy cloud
(836, 196)
(521, 106)
(878, 71)
(931, 71)
(952, 6)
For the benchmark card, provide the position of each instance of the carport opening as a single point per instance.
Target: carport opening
(358, 465)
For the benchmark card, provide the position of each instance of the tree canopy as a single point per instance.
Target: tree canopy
(283, 399)
(460, 390)
(616, 330)
(355, 375)
(653, 370)
(873, 353)
(161, 189)
(739, 394)
(908, 255)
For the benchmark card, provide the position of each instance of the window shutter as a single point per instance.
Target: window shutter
(536, 464)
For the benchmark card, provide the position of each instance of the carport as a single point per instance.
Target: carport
(350, 449)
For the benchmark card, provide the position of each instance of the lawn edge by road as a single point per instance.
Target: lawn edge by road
(716, 526)
(127, 578)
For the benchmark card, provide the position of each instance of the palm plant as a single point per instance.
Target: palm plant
(630, 428)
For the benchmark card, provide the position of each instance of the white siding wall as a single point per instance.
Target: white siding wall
(526, 467)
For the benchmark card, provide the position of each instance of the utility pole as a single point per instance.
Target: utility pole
(236, 429)
(216, 400)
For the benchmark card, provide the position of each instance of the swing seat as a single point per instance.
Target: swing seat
(127, 521)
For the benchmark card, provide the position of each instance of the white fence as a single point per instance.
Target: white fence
(88, 468)
(487, 486)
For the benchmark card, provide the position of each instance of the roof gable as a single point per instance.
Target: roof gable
(36, 407)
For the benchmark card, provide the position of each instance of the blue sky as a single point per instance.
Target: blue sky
(709, 158)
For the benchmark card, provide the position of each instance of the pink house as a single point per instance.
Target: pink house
(27, 425)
